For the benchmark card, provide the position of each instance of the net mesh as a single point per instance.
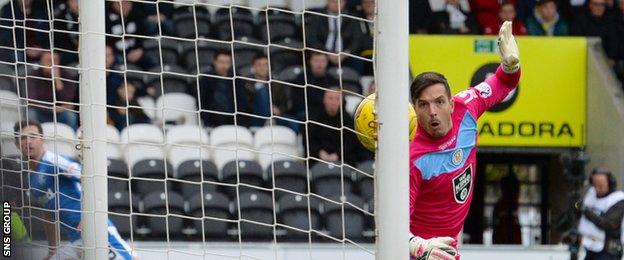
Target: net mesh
(230, 130)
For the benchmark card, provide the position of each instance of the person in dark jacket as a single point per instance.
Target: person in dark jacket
(596, 22)
(316, 80)
(455, 20)
(126, 110)
(546, 20)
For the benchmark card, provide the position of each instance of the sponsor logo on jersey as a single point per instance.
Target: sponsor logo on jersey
(484, 89)
(458, 157)
(462, 184)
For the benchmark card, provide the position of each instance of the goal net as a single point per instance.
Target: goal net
(229, 127)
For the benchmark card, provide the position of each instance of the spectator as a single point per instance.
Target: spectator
(66, 34)
(336, 34)
(22, 28)
(507, 12)
(113, 78)
(455, 20)
(546, 21)
(602, 209)
(51, 92)
(317, 77)
(486, 12)
(126, 110)
(325, 142)
(419, 13)
(217, 93)
(367, 30)
(596, 22)
(264, 98)
(123, 21)
(505, 213)
(619, 32)
(159, 14)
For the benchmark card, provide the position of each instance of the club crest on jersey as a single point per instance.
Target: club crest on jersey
(462, 184)
(484, 90)
(458, 157)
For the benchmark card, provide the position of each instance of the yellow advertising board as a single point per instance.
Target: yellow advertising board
(547, 110)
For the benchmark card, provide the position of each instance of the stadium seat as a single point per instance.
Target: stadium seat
(275, 143)
(113, 145)
(177, 108)
(354, 217)
(296, 211)
(215, 205)
(7, 140)
(161, 205)
(148, 105)
(165, 49)
(13, 181)
(258, 207)
(243, 23)
(268, 3)
(203, 52)
(169, 79)
(245, 49)
(193, 25)
(229, 142)
(281, 25)
(60, 139)
(365, 184)
(194, 170)
(350, 78)
(243, 171)
(326, 179)
(143, 141)
(184, 143)
(290, 74)
(299, 5)
(9, 107)
(120, 206)
(119, 169)
(133, 74)
(289, 175)
(283, 55)
(7, 78)
(154, 171)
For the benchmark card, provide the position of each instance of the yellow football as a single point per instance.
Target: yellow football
(366, 123)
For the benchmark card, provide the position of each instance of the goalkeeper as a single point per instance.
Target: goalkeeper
(443, 152)
(47, 172)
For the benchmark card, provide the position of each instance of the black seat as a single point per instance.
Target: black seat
(281, 25)
(286, 53)
(13, 181)
(172, 81)
(243, 23)
(186, 24)
(167, 49)
(249, 172)
(245, 51)
(354, 218)
(118, 171)
(156, 203)
(296, 211)
(216, 205)
(120, 206)
(350, 78)
(289, 175)
(365, 183)
(152, 169)
(7, 78)
(290, 74)
(326, 179)
(134, 74)
(192, 170)
(255, 206)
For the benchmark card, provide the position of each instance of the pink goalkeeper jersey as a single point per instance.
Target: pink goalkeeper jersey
(442, 170)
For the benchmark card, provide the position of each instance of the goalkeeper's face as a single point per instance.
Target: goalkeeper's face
(433, 110)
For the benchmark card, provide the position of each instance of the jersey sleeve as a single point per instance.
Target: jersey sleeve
(492, 91)
(415, 181)
(65, 166)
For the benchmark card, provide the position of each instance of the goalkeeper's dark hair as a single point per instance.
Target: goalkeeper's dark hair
(426, 79)
(17, 128)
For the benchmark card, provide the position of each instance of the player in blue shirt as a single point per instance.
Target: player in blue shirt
(47, 171)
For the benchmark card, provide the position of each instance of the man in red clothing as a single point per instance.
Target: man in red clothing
(443, 152)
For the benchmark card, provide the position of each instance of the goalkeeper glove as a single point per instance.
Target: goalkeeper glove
(437, 248)
(510, 58)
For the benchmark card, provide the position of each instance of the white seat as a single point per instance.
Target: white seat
(351, 103)
(270, 154)
(225, 138)
(113, 145)
(223, 155)
(177, 107)
(262, 4)
(60, 138)
(271, 135)
(143, 141)
(300, 5)
(148, 105)
(7, 140)
(9, 107)
(214, 5)
(187, 142)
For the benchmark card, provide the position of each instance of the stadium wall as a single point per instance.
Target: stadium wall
(605, 113)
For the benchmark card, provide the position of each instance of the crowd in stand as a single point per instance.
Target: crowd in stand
(230, 82)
